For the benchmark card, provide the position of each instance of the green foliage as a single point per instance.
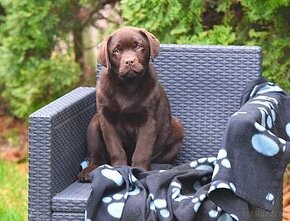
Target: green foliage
(168, 19)
(266, 23)
(264, 9)
(30, 74)
(225, 22)
(39, 82)
(33, 71)
(219, 35)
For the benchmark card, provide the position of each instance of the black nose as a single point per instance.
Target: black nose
(129, 61)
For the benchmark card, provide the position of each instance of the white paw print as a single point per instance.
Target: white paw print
(115, 209)
(116, 202)
(214, 213)
(113, 175)
(203, 164)
(287, 128)
(222, 157)
(159, 205)
(218, 184)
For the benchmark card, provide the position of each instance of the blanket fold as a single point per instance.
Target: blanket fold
(247, 171)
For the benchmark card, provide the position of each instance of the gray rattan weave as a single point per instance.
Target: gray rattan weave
(56, 146)
(204, 84)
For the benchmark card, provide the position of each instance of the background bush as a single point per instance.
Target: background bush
(227, 22)
(35, 69)
(30, 75)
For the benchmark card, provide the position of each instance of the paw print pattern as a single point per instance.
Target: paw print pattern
(205, 164)
(222, 163)
(265, 145)
(113, 175)
(219, 215)
(221, 184)
(225, 217)
(222, 160)
(114, 208)
(270, 198)
(197, 201)
(267, 87)
(152, 205)
(176, 192)
(159, 205)
(263, 141)
(214, 213)
(134, 191)
(267, 110)
(287, 128)
(116, 202)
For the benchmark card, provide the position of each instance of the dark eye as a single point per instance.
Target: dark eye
(138, 46)
(117, 50)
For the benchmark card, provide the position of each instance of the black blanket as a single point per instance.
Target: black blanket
(248, 170)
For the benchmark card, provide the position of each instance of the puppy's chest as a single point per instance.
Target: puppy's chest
(125, 119)
(127, 104)
(127, 124)
(127, 111)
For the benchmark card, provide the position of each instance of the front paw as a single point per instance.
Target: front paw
(84, 175)
(141, 165)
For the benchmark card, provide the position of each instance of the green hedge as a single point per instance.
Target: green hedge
(31, 75)
(245, 22)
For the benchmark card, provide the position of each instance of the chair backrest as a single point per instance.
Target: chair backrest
(204, 86)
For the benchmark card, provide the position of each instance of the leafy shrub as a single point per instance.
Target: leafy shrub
(39, 82)
(30, 75)
(219, 35)
(264, 23)
(168, 19)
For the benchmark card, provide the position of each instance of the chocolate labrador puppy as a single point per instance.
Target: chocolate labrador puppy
(133, 124)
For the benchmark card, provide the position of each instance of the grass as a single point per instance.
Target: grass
(13, 191)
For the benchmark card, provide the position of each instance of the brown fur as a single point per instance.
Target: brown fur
(133, 124)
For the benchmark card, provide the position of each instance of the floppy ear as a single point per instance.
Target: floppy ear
(103, 54)
(153, 42)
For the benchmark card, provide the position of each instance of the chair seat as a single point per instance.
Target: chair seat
(72, 199)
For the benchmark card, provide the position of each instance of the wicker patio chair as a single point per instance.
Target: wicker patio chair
(204, 85)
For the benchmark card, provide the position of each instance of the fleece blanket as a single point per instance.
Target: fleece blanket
(248, 170)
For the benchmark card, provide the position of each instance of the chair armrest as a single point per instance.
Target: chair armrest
(57, 145)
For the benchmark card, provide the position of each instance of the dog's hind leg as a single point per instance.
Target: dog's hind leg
(173, 144)
(96, 148)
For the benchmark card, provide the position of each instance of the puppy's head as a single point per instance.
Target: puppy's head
(128, 51)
